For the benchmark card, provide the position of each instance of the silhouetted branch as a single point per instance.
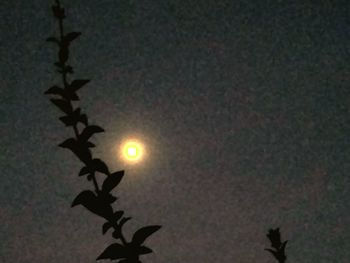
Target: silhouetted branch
(278, 247)
(100, 200)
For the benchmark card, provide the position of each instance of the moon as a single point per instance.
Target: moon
(132, 151)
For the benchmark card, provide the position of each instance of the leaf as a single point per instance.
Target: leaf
(84, 171)
(90, 144)
(83, 119)
(72, 118)
(275, 237)
(114, 251)
(107, 197)
(54, 90)
(63, 105)
(67, 120)
(53, 39)
(71, 36)
(89, 131)
(64, 93)
(106, 226)
(100, 166)
(143, 233)
(144, 250)
(90, 201)
(117, 215)
(78, 83)
(79, 149)
(112, 181)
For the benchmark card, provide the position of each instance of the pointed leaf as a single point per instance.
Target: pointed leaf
(144, 250)
(273, 252)
(89, 131)
(143, 233)
(106, 226)
(84, 171)
(112, 181)
(83, 119)
(63, 105)
(55, 90)
(90, 201)
(107, 197)
(79, 149)
(90, 144)
(69, 143)
(114, 251)
(100, 166)
(71, 36)
(117, 215)
(53, 39)
(67, 120)
(78, 83)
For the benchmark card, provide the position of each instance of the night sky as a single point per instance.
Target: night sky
(243, 107)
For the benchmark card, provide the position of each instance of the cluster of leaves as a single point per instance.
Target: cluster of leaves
(278, 247)
(98, 201)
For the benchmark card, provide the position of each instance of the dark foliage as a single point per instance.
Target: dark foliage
(98, 201)
(278, 247)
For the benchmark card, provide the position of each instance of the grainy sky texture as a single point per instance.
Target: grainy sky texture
(243, 107)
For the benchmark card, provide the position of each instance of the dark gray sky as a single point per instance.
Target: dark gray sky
(243, 107)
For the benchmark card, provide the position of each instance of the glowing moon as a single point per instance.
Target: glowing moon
(132, 151)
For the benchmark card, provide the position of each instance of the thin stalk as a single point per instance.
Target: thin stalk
(76, 131)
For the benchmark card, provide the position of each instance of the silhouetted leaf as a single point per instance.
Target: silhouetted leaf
(114, 251)
(143, 233)
(55, 90)
(275, 237)
(53, 39)
(90, 144)
(83, 119)
(144, 250)
(117, 215)
(71, 36)
(107, 197)
(64, 93)
(78, 83)
(67, 120)
(79, 149)
(106, 226)
(112, 181)
(89, 131)
(100, 166)
(84, 171)
(90, 201)
(63, 105)
(72, 118)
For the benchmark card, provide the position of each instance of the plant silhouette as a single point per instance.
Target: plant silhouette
(98, 201)
(278, 247)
